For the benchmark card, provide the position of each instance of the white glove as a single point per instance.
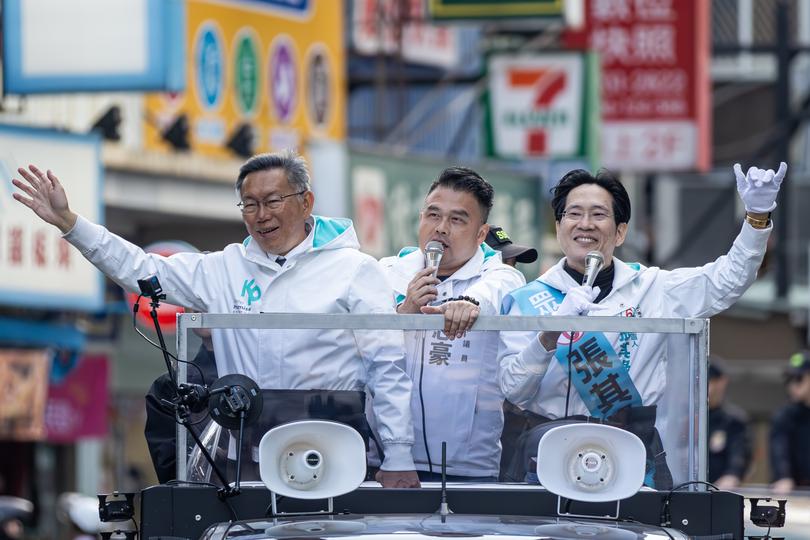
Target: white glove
(758, 187)
(579, 301)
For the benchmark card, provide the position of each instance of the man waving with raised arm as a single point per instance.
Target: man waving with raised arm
(291, 262)
(620, 377)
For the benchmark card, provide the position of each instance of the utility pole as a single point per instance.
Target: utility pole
(784, 55)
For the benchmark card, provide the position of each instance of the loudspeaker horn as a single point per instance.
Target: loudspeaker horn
(312, 459)
(591, 462)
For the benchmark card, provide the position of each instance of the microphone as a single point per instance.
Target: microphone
(433, 255)
(593, 264)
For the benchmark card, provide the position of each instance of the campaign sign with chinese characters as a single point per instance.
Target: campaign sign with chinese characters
(268, 71)
(655, 82)
(537, 105)
(39, 268)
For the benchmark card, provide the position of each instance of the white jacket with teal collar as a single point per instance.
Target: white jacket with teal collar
(531, 378)
(326, 273)
(462, 402)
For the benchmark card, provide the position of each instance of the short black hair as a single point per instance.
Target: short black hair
(464, 179)
(605, 179)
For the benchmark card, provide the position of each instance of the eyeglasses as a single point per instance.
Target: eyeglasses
(251, 207)
(577, 215)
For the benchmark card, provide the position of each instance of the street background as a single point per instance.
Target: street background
(148, 116)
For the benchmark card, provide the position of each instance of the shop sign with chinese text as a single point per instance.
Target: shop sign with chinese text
(39, 268)
(655, 82)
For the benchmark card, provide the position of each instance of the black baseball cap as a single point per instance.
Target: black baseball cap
(498, 239)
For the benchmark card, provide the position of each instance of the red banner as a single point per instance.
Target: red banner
(77, 406)
(655, 81)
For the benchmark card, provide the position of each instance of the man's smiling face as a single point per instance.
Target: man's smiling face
(589, 203)
(276, 231)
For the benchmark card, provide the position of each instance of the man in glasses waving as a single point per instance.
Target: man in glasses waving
(292, 261)
(618, 377)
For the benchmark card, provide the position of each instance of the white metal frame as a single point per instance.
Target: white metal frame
(696, 329)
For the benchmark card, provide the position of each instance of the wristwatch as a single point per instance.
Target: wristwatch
(758, 223)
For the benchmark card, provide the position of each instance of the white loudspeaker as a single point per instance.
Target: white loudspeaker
(591, 462)
(80, 510)
(312, 459)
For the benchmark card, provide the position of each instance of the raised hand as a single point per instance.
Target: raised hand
(421, 291)
(758, 188)
(46, 197)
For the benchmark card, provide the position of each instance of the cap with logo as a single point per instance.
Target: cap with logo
(497, 238)
(798, 363)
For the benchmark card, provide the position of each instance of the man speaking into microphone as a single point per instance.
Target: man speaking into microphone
(455, 395)
(619, 377)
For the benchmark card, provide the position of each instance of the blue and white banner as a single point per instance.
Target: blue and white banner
(53, 46)
(601, 378)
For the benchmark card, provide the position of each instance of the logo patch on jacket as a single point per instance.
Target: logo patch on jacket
(632, 312)
(251, 291)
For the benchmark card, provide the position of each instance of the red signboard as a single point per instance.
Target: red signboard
(655, 81)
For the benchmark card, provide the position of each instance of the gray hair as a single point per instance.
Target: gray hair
(289, 161)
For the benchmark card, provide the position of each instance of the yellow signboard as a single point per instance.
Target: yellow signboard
(256, 71)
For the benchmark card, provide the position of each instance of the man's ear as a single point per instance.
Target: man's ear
(482, 233)
(309, 202)
(621, 233)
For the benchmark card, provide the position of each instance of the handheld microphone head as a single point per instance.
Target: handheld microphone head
(594, 261)
(433, 255)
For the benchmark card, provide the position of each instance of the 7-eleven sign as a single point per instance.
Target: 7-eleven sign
(536, 105)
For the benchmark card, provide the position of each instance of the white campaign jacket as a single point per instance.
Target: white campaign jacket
(326, 273)
(533, 379)
(462, 402)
